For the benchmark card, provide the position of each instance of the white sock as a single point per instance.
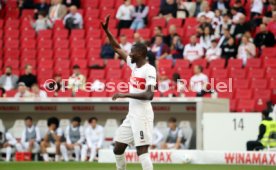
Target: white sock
(45, 157)
(19, 147)
(146, 161)
(93, 153)
(64, 153)
(8, 153)
(84, 153)
(57, 158)
(120, 162)
(77, 150)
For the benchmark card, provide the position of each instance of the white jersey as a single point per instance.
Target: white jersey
(94, 137)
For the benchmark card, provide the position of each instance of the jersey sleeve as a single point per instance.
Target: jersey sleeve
(151, 76)
(128, 61)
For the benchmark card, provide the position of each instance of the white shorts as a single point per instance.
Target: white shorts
(135, 131)
(25, 146)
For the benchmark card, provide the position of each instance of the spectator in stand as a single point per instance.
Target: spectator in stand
(193, 50)
(182, 12)
(38, 92)
(175, 138)
(8, 81)
(239, 7)
(214, 52)
(225, 23)
(77, 81)
(177, 48)
(57, 11)
(163, 82)
(272, 24)
(30, 137)
(23, 91)
(107, 51)
(188, 5)
(268, 14)
(236, 15)
(124, 14)
(150, 54)
(137, 38)
(229, 50)
(264, 38)
(216, 20)
(125, 45)
(139, 16)
(246, 50)
(224, 39)
(203, 22)
(53, 138)
(69, 3)
(7, 141)
(256, 8)
(207, 13)
(94, 135)
(43, 6)
(206, 38)
(73, 20)
(222, 5)
(241, 27)
(168, 10)
(26, 4)
(42, 22)
(157, 31)
(199, 81)
(56, 85)
(169, 38)
(198, 8)
(28, 78)
(159, 48)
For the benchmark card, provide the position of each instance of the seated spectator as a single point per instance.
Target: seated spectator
(206, 38)
(26, 4)
(28, 78)
(239, 6)
(139, 16)
(157, 138)
(272, 24)
(156, 31)
(198, 81)
(22, 91)
(8, 81)
(198, 8)
(193, 50)
(225, 23)
(246, 50)
(189, 5)
(124, 14)
(150, 54)
(175, 138)
(214, 52)
(125, 45)
(7, 141)
(53, 139)
(74, 136)
(224, 39)
(229, 50)
(182, 12)
(37, 92)
(216, 20)
(107, 51)
(236, 15)
(41, 7)
(94, 136)
(137, 38)
(264, 38)
(77, 81)
(168, 10)
(203, 23)
(176, 48)
(268, 14)
(56, 85)
(73, 20)
(42, 22)
(241, 27)
(222, 5)
(159, 48)
(163, 82)
(169, 38)
(57, 11)
(256, 8)
(30, 137)
(207, 13)
(69, 3)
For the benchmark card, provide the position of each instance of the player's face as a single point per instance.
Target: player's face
(75, 124)
(28, 123)
(133, 55)
(53, 127)
(171, 125)
(93, 123)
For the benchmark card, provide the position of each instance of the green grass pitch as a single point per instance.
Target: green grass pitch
(96, 166)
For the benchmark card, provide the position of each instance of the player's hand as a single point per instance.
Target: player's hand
(105, 24)
(118, 95)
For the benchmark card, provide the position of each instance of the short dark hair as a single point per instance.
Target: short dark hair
(76, 67)
(160, 28)
(53, 120)
(28, 118)
(172, 120)
(92, 118)
(200, 68)
(9, 67)
(265, 113)
(142, 48)
(76, 119)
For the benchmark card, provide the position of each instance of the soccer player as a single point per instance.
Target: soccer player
(30, 137)
(94, 136)
(138, 126)
(52, 138)
(74, 136)
(7, 141)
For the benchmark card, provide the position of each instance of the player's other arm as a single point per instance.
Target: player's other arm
(147, 95)
(115, 45)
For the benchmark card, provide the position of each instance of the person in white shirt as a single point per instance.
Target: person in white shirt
(207, 13)
(38, 92)
(23, 91)
(246, 49)
(198, 81)
(74, 135)
(57, 11)
(256, 8)
(124, 44)
(52, 139)
(193, 50)
(30, 137)
(7, 141)
(236, 15)
(94, 136)
(157, 138)
(140, 15)
(225, 23)
(206, 38)
(73, 20)
(214, 52)
(76, 81)
(8, 81)
(124, 14)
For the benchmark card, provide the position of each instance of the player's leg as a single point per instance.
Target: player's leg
(119, 150)
(84, 151)
(77, 150)
(57, 157)
(19, 147)
(64, 152)
(8, 153)
(93, 152)
(144, 157)
(43, 146)
(31, 146)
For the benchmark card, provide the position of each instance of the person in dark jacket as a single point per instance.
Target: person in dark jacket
(69, 3)
(222, 5)
(28, 78)
(107, 51)
(139, 16)
(264, 38)
(168, 10)
(229, 50)
(43, 6)
(26, 4)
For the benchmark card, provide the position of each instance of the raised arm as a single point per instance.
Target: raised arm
(115, 45)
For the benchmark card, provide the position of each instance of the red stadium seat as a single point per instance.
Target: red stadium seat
(237, 63)
(245, 105)
(28, 43)
(200, 62)
(61, 33)
(165, 63)
(107, 4)
(46, 64)
(28, 33)
(45, 44)
(45, 53)
(11, 93)
(12, 23)
(127, 32)
(11, 43)
(78, 54)
(58, 25)
(11, 53)
(94, 54)
(93, 13)
(12, 63)
(268, 52)
(62, 63)
(243, 94)
(158, 22)
(262, 94)
(105, 12)
(270, 72)
(61, 54)
(272, 86)
(233, 105)
(241, 83)
(93, 43)
(90, 4)
(97, 74)
(181, 63)
(175, 21)
(27, 54)
(227, 95)
(218, 63)
(237, 73)
(11, 33)
(253, 63)
(260, 104)
(259, 83)
(144, 33)
(271, 62)
(77, 33)
(114, 73)
(256, 73)
(76, 43)
(61, 44)
(219, 73)
(93, 33)
(80, 62)
(113, 63)
(99, 94)
(92, 23)
(81, 93)
(45, 34)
